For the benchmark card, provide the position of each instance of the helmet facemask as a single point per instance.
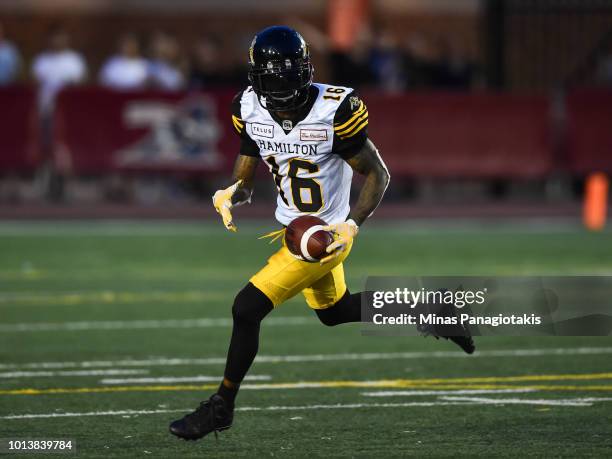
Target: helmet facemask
(282, 86)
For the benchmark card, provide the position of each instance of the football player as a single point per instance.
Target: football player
(312, 137)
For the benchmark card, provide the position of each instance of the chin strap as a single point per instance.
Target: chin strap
(264, 102)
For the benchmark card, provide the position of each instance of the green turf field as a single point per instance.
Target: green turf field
(109, 331)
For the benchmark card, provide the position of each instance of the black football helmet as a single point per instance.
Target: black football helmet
(279, 68)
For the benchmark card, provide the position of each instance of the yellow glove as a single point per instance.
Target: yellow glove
(343, 234)
(222, 200)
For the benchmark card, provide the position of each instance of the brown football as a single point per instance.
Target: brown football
(306, 240)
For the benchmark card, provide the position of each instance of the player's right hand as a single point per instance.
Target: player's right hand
(222, 200)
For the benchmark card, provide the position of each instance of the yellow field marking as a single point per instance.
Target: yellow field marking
(429, 384)
(551, 387)
(348, 384)
(563, 377)
(436, 381)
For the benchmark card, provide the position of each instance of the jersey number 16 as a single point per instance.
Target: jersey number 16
(297, 184)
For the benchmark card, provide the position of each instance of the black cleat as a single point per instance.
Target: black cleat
(213, 415)
(464, 342)
(457, 333)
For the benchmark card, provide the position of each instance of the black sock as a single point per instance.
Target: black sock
(250, 307)
(346, 310)
(228, 392)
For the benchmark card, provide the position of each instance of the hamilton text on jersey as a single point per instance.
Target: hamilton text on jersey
(291, 148)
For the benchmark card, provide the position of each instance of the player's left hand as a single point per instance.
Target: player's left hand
(343, 234)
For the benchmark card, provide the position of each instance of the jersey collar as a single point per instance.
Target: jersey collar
(301, 114)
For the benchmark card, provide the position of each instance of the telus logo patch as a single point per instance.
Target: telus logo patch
(262, 130)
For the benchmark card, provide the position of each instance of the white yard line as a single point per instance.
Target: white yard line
(37, 374)
(112, 228)
(177, 379)
(593, 399)
(348, 406)
(244, 408)
(526, 401)
(412, 393)
(144, 324)
(89, 413)
(351, 406)
(162, 361)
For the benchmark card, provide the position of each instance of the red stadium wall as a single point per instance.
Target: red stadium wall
(589, 131)
(19, 145)
(425, 135)
(462, 135)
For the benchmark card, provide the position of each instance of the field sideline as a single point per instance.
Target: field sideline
(109, 330)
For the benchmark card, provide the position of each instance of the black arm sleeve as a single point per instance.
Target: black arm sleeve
(350, 126)
(248, 147)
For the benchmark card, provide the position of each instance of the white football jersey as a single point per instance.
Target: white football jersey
(311, 176)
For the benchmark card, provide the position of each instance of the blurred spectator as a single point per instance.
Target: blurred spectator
(421, 62)
(127, 69)
(164, 71)
(455, 70)
(386, 63)
(352, 68)
(604, 71)
(206, 67)
(57, 67)
(10, 60)
(347, 67)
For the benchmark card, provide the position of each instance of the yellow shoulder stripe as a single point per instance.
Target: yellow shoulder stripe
(238, 124)
(353, 125)
(237, 120)
(362, 108)
(359, 128)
